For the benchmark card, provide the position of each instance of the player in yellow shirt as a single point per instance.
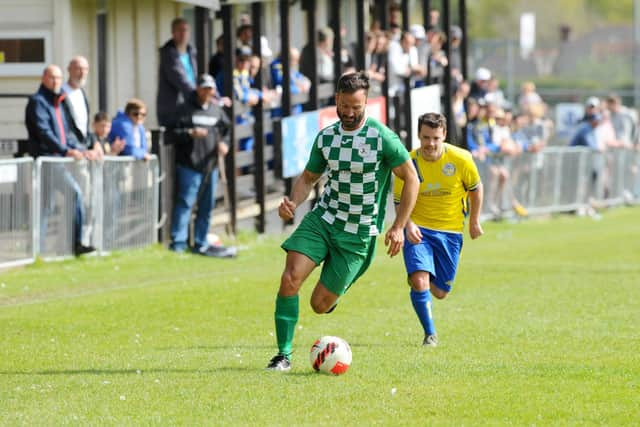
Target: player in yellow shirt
(450, 191)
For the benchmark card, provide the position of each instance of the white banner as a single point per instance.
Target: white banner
(424, 99)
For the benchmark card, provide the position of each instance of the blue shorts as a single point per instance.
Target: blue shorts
(437, 254)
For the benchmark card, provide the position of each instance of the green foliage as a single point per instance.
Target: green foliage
(618, 12)
(501, 19)
(541, 329)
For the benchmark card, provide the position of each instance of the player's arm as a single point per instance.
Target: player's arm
(302, 186)
(475, 207)
(394, 238)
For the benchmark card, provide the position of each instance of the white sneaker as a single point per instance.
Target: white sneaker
(430, 340)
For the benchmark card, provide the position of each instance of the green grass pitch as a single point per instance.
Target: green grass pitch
(542, 328)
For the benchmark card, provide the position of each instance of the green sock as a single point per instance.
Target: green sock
(286, 318)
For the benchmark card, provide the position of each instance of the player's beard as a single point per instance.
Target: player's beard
(350, 123)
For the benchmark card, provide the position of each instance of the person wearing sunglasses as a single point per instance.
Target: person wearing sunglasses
(128, 125)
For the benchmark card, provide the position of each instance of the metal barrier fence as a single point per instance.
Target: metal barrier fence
(130, 201)
(559, 179)
(16, 212)
(119, 199)
(111, 205)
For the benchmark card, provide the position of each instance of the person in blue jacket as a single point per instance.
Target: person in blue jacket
(128, 125)
(48, 123)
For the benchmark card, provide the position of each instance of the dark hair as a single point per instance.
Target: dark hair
(242, 28)
(353, 82)
(100, 116)
(433, 120)
(178, 21)
(134, 105)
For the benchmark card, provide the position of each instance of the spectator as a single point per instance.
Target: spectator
(434, 19)
(201, 133)
(403, 63)
(494, 94)
(459, 109)
(478, 137)
(243, 92)
(299, 82)
(423, 50)
(324, 56)
(591, 108)
(586, 136)
(216, 62)
(437, 60)
(455, 58)
(128, 126)
(178, 70)
(78, 105)
(524, 135)
(503, 148)
(378, 66)
(347, 62)
(50, 134)
(369, 49)
(528, 97)
(480, 86)
(100, 136)
(244, 35)
(623, 121)
(76, 97)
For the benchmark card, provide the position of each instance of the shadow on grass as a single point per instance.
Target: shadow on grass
(216, 347)
(237, 369)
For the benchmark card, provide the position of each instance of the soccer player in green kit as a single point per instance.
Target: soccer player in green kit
(358, 153)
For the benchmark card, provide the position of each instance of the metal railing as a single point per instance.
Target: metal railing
(560, 179)
(16, 212)
(45, 210)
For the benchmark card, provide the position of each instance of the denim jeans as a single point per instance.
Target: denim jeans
(188, 185)
(61, 180)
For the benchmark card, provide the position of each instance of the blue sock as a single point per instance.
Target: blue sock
(422, 305)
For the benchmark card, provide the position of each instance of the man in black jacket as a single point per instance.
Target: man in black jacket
(177, 73)
(200, 131)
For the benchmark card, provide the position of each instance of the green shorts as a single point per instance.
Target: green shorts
(346, 256)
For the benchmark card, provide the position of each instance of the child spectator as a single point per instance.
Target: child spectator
(128, 125)
(99, 137)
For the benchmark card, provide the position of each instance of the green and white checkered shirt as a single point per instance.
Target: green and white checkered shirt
(358, 165)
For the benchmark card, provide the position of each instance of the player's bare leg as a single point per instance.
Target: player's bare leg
(297, 268)
(322, 299)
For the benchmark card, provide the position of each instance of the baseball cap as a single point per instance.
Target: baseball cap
(418, 32)
(593, 101)
(456, 32)
(483, 74)
(205, 80)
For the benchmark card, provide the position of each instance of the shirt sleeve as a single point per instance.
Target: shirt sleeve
(470, 175)
(317, 162)
(393, 151)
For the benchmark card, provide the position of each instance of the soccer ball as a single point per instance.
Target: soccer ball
(331, 355)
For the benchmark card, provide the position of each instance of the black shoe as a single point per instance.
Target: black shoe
(333, 307)
(279, 362)
(81, 249)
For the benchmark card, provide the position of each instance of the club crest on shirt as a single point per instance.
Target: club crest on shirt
(364, 150)
(449, 169)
